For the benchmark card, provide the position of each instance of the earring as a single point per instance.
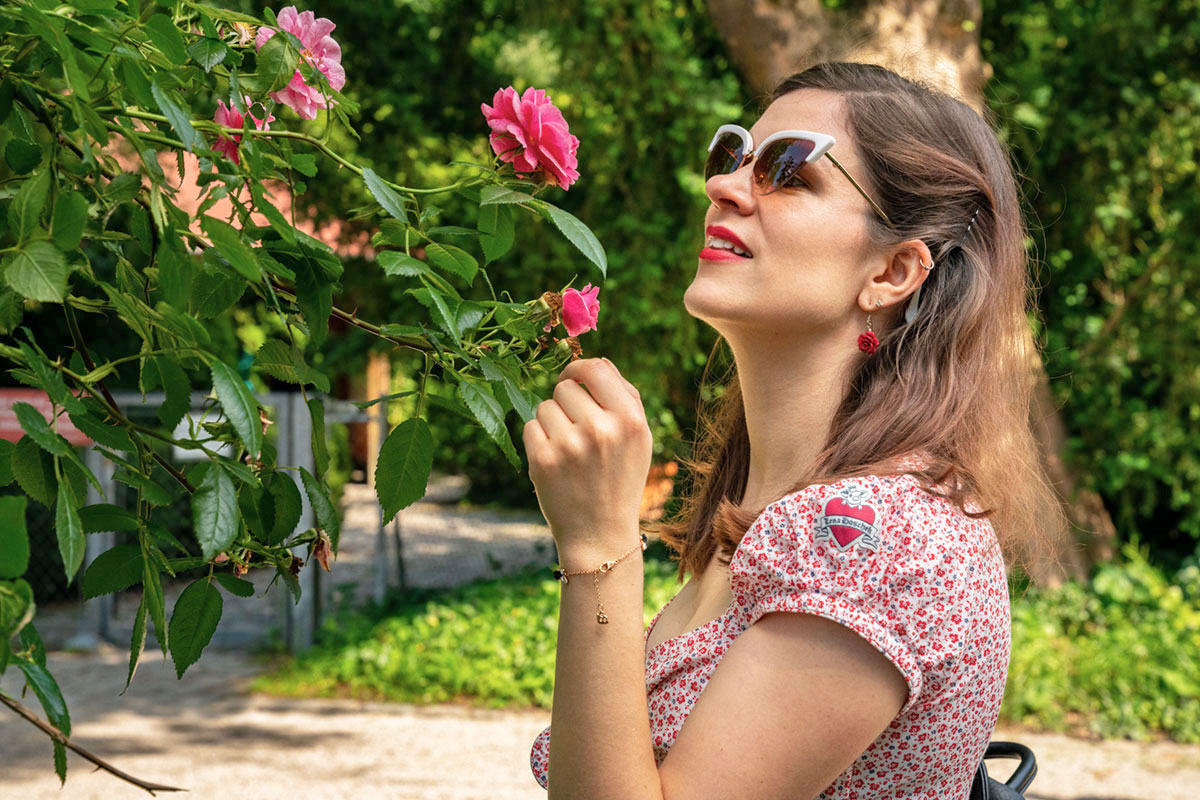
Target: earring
(868, 342)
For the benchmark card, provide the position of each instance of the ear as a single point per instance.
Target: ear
(898, 277)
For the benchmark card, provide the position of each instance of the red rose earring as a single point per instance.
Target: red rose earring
(868, 342)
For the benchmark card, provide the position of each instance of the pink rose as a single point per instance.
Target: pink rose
(580, 309)
(320, 51)
(230, 117)
(531, 134)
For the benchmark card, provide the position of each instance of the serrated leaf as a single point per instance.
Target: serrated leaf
(152, 493)
(48, 694)
(25, 209)
(32, 640)
(177, 388)
(496, 227)
(176, 116)
(453, 260)
(14, 537)
(36, 427)
(33, 468)
(70, 218)
(280, 360)
(323, 508)
(316, 412)
(235, 586)
(71, 544)
(22, 155)
(280, 506)
(208, 52)
(38, 271)
(16, 607)
(106, 518)
(152, 596)
(492, 195)
(442, 315)
(396, 263)
(194, 621)
(402, 470)
(166, 37)
(113, 570)
(229, 243)
(137, 642)
(384, 194)
(577, 234)
(60, 762)
(277, 62)
(239, 405)
(215, 513)
(6, 453)
(490, 415)
(519, 398)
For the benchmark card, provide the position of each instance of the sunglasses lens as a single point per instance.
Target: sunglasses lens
(781, 160)
(725, 156)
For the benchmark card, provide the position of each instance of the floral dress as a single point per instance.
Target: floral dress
(910, 573)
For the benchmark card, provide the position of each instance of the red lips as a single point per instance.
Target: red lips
(718, 254)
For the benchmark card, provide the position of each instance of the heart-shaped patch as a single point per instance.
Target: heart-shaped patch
(848, 518)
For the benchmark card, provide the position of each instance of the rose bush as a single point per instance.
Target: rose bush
(88, 236)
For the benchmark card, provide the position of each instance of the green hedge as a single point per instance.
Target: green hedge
(1117, 658)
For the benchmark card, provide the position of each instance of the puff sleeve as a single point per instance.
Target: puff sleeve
(876, 554)
(539, 758)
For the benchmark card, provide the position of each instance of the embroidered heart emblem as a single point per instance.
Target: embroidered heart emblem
(844, 534)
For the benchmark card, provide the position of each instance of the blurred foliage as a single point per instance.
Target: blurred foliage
(1119, 657)
(1116, 657)
(642, 84)
(1100, 103)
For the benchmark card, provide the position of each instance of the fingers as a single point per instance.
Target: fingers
(606, 384)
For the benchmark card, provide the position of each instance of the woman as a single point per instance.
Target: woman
(846, 629)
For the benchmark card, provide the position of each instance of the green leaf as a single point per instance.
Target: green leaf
(304, 163)
(402, 471)
(280, 360)
(208, 52)
(22, 155)
(490, 415)
(38, 272)
(106, 517)
(492, 195)
(520, 399)
(442, 315)
(239, 405)
(215, 513)
(235, 586)
(137, 642)
(383, 193)
(277, 62)
(6, 453)
(280, 506)
(166, 37)
(178, 390)
(16, 608)
(113, 570)
(152, 596)
(14, 538)
(71, 544)
(327, 515)
(176, 271)
(25, 210)
(453, 260)
(12, 310)
(70, 218)
(60, 762)
(577, 234)
(214, 291)
(33, 468)
(316, 411)
(396, 263)
(496, 225)
(176, 116)
(194, 621)
(48, 693)
(229, 243)
(39, 430)
(152, 493)
(32, 640)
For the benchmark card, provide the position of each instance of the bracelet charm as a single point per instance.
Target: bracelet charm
(561, 575)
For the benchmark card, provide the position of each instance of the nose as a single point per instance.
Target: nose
(733, 190)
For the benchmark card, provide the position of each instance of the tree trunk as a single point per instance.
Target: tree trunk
(937, 43)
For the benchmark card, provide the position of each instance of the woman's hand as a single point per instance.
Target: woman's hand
(589, 455)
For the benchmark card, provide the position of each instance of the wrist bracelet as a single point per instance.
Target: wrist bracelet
(561, 575)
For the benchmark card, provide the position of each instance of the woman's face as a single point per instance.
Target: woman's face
(809, 251)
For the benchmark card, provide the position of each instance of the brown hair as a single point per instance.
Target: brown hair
(956, 383)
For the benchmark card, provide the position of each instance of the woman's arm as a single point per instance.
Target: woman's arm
(600, 745)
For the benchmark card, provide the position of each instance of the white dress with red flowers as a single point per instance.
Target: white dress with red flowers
(910, 573)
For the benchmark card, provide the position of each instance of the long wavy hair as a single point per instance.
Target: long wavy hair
(956, 383)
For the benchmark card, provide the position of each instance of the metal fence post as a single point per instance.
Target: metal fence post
(306, 613)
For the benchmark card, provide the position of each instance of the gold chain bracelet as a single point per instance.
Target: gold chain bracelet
(561, 575)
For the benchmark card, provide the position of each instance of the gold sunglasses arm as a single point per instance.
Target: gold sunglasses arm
(878, 210)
